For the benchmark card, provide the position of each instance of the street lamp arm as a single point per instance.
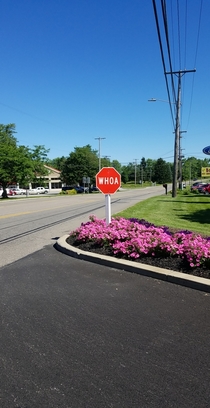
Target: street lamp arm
(161, 100)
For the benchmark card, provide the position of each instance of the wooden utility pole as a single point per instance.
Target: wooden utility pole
(177, 128)
(99, 151)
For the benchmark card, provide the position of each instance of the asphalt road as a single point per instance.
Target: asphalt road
(79, 335)
(28, 224)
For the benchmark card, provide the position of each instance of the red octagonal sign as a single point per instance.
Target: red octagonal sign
(108, 180)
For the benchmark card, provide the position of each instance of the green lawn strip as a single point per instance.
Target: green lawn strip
(185, 212)
(129, 186)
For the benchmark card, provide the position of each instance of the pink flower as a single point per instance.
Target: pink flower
(133, 239)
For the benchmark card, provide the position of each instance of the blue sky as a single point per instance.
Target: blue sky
(73, 71)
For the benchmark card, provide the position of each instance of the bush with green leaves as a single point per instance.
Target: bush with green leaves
(68, 192)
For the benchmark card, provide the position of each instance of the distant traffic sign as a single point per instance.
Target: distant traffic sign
(108, 180)
(206, 150)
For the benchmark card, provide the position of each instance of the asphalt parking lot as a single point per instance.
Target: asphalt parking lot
(77, 334)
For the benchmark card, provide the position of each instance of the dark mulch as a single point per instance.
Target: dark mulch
(173, 264)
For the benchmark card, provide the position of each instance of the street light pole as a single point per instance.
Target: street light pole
(99, 151)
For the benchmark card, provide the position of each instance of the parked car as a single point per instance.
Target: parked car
(196, 185)
(206, 189)
(202, 188)
(32, 191)
(18, 191)
(94, 188)
(9, 192)
(66, 188)
(80, 189)
(42, 190)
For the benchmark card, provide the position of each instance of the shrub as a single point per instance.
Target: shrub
(68, 192)
(71, 192)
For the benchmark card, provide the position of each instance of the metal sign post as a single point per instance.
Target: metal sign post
(108, 208)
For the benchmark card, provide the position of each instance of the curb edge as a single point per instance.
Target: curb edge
(179, 278)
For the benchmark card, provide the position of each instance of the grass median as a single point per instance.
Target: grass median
(185, 212)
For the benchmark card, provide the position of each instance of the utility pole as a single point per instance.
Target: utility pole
(180, 159)
(150, 175)
(177, 128)
(99, 151)
(190, 174)
(135, 169)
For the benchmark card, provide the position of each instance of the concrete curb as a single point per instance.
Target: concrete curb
(167, 275)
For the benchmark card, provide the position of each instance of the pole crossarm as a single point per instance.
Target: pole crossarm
(181, 72)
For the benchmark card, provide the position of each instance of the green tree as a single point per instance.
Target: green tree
(7, 134)
(124, 174)
(105, 162)
(38, 156)
(191, 167)
(83, 162)
(57, 163)
(9, 157)
(149, 169)
(18, 164)
(128, 172)
(161, 173)
(116, 165)
(143, 163)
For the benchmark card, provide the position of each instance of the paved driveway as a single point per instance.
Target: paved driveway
(80, 335)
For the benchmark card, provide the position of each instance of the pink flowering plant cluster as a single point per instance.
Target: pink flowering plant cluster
(133, 239)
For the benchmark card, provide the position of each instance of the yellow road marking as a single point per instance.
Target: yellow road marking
(30, 212)
(15, 215)
(25, 212)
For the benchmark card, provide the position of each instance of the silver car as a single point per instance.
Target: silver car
(18, 191)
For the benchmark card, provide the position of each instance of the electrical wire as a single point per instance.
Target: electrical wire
(164, 13)
(175, 12)
(185, 50)
(179, 35)
(196, 53)
(185, 39)
(162, 55)
(198, 35)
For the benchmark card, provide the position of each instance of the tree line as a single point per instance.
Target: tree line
(23, 165)
(84, 162)
(18, 163)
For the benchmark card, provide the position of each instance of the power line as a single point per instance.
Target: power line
(162, 56)
(164, 12)
(179, 39)
(198, 34)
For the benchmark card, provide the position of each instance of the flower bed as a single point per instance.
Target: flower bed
(138, 240)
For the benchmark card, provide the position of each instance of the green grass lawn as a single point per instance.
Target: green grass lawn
(131, 185)
(187, 212)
